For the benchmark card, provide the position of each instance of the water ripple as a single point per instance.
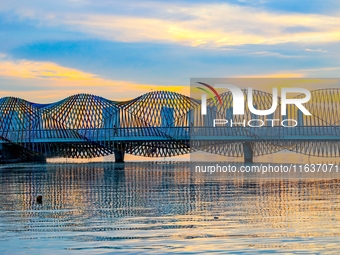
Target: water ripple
(163, 208)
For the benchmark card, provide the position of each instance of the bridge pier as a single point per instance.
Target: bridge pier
(247, 152)
(119, 156)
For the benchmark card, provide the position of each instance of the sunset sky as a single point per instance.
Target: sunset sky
(121, 49)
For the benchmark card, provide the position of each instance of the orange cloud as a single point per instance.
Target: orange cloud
(30, 69)
(213, 25)
(53, 82)
(209, 25)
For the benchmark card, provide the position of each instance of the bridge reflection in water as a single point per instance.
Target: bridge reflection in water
(138, 207)
(165, 124)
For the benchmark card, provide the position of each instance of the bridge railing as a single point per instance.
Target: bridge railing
(95, 133)
(265, 132)
(110, 134)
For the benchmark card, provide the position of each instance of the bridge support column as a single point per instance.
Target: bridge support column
(247, 152)
(119, 156)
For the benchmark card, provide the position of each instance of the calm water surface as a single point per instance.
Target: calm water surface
(146, 208)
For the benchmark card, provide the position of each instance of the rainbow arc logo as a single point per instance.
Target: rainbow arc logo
(210, 91)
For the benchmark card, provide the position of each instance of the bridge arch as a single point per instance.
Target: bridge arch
(163, 122)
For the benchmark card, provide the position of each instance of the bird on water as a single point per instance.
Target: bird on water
(39, 199)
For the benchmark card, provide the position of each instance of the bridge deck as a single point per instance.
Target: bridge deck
(234, 134)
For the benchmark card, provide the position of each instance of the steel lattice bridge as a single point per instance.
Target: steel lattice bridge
(164, 124)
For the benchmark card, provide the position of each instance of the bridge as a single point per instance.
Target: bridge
(165, 124)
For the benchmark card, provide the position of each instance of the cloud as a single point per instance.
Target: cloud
(322, 72)
(217, 28)
(55, 49)
(316, 50)
(30, 69)
(197, 25)
(47, 81)
(275, 54)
